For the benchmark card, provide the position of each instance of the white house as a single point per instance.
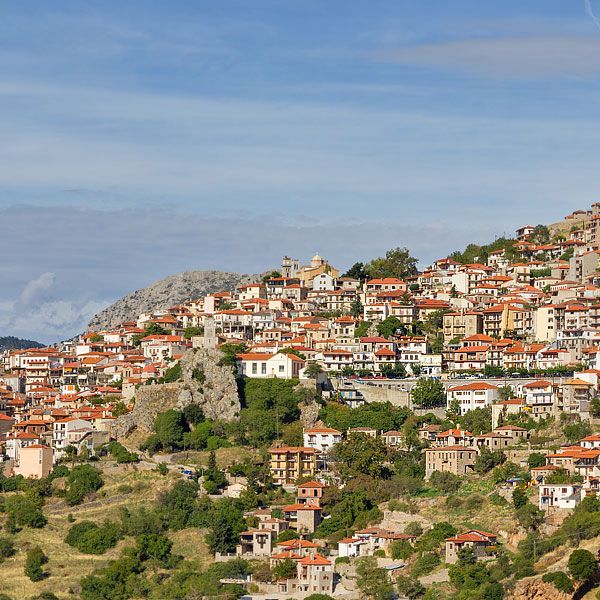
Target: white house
(260, 365)
(560, 495)
(473, 395)
(350, 547)
(321, 438)
(61, 429)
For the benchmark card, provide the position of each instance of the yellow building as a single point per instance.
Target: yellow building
(288, 463)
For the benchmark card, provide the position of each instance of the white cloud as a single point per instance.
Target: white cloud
(35, 288)
(527, 57)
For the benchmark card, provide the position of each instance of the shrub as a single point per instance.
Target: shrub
(454, 501)
(562, 582)
(498, 500)
(27, 515)
(401, 549)
(89, 538)
(424, 564)
(7, 548)
(342, 560)
(379, 554)
(33, 563)
(413, 528)
(444, 481)
(125, 488)
(582, 564)
(474, 502)
(409, 587)
(162, 468)
(82, 480)
(210, 487)
(286, 535)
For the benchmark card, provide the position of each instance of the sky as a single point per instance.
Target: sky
(139, 139)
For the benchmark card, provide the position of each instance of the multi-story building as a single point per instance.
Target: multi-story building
(288, 463)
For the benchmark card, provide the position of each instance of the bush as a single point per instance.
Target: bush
(445, 482)
(33, 563)
(498, 500)
(210, 487)
(286, 535)
(125, 488)
(413, 528)
(474, 502)
(82, 480)
(582, 564)
(7, 548)
(562, 582)
(27, 515)
(409, 587)
(454, 501)
(379, 554)
(89, 538)
(401, 549)
(424, 564)
(342, 560)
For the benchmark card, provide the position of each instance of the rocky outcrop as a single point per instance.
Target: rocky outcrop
(203, 382)
(536, 589)
(168, 292)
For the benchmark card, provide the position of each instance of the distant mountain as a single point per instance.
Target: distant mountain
(168, 292)
(10, 342)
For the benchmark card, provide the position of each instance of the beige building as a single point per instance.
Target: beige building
(35, 461)
(454, 459)
(545, 323)
(288, 463)
(462, 325)
(479, 541)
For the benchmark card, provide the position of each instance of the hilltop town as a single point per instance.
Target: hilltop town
(316, 433)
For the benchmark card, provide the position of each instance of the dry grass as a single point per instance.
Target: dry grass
(190, 544)
(66, 565)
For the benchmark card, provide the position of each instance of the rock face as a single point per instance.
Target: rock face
(215, 392)
(168, 292)
(536, 590)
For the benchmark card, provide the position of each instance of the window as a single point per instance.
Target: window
(281, 368)
(254, 369)
(263, 368)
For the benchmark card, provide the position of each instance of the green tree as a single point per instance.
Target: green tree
(519, 498)
(373, 582)
(271, 275)
(486, 460)
(428, 393)
(582, 564)
(409, 587)
(7, 548)
(82, 480)
(387, 328)
(356, 271)
(156, 547)
(506, 392)
(359, 454)
(313, 370)
(595, 407)
(445, 481)
(284, 569)
(170, 427)
(397, 263)
(34, 561)
(192, 331)
(536, 460)
(357, 308)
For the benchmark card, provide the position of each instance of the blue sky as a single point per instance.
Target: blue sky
(140, 139)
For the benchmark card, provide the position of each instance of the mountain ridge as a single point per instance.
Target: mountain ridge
(168, 292)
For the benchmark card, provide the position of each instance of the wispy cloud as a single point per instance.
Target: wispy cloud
(50, 294)
(538, 57)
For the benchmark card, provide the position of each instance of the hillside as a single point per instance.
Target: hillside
(168, 292)
(10, 342)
